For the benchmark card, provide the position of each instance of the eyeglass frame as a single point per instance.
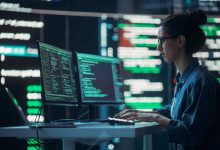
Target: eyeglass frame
(162, 39)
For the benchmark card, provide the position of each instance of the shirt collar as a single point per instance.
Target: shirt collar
(182, 78)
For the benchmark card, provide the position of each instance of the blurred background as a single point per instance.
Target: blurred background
(126, 29)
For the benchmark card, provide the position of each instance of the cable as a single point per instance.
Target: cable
(37, 133)
(80, 111)
(37, 118)
(78, 118)
(82, 115)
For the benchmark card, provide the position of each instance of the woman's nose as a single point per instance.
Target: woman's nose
(159, 48)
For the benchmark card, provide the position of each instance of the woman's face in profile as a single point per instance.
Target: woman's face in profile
(167, 46)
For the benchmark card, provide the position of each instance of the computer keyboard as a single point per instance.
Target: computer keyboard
(117, 121)
(110, 120)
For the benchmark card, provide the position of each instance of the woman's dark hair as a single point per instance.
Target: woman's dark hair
(187, 24)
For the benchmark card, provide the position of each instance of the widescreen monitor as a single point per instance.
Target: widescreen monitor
(57, 75)
(100, 79)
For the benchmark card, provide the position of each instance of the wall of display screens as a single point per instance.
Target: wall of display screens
(147, 78)
(209, 56)
(19, 67)
(134, 40)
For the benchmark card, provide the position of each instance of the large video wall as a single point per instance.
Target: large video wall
(210, 54)
(19, 67)
(134, 40)
(147, 79)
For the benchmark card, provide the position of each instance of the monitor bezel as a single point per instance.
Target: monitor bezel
(122, 102)
(55, 102)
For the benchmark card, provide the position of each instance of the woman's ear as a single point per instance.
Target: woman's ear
(181, 40)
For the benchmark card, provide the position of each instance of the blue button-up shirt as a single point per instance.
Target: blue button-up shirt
(194, 111)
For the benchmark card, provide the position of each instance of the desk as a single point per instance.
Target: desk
(85, 131)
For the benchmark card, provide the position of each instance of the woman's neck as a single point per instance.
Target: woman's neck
(183, 62)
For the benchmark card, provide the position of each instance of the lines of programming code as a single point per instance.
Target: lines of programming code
(133, 39)
(209, 56)
(100, 79)
(57, 74)
(147, 78)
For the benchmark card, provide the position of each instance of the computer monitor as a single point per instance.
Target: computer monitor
(100, 79)
(57, 75)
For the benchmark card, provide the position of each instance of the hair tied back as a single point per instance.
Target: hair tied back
(196, 17)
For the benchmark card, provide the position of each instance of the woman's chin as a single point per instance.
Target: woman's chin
(167, 60)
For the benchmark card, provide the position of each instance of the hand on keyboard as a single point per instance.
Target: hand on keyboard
(117, 121)
(116, 115)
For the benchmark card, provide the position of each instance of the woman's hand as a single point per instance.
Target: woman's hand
(143, 116)
(137, 115)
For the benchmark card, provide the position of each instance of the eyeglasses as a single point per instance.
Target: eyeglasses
(161, 40)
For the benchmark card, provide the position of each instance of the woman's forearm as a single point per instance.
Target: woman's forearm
(164, 121)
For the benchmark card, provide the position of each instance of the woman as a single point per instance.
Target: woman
(192, 119)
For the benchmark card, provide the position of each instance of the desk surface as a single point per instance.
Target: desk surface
(84, 130)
